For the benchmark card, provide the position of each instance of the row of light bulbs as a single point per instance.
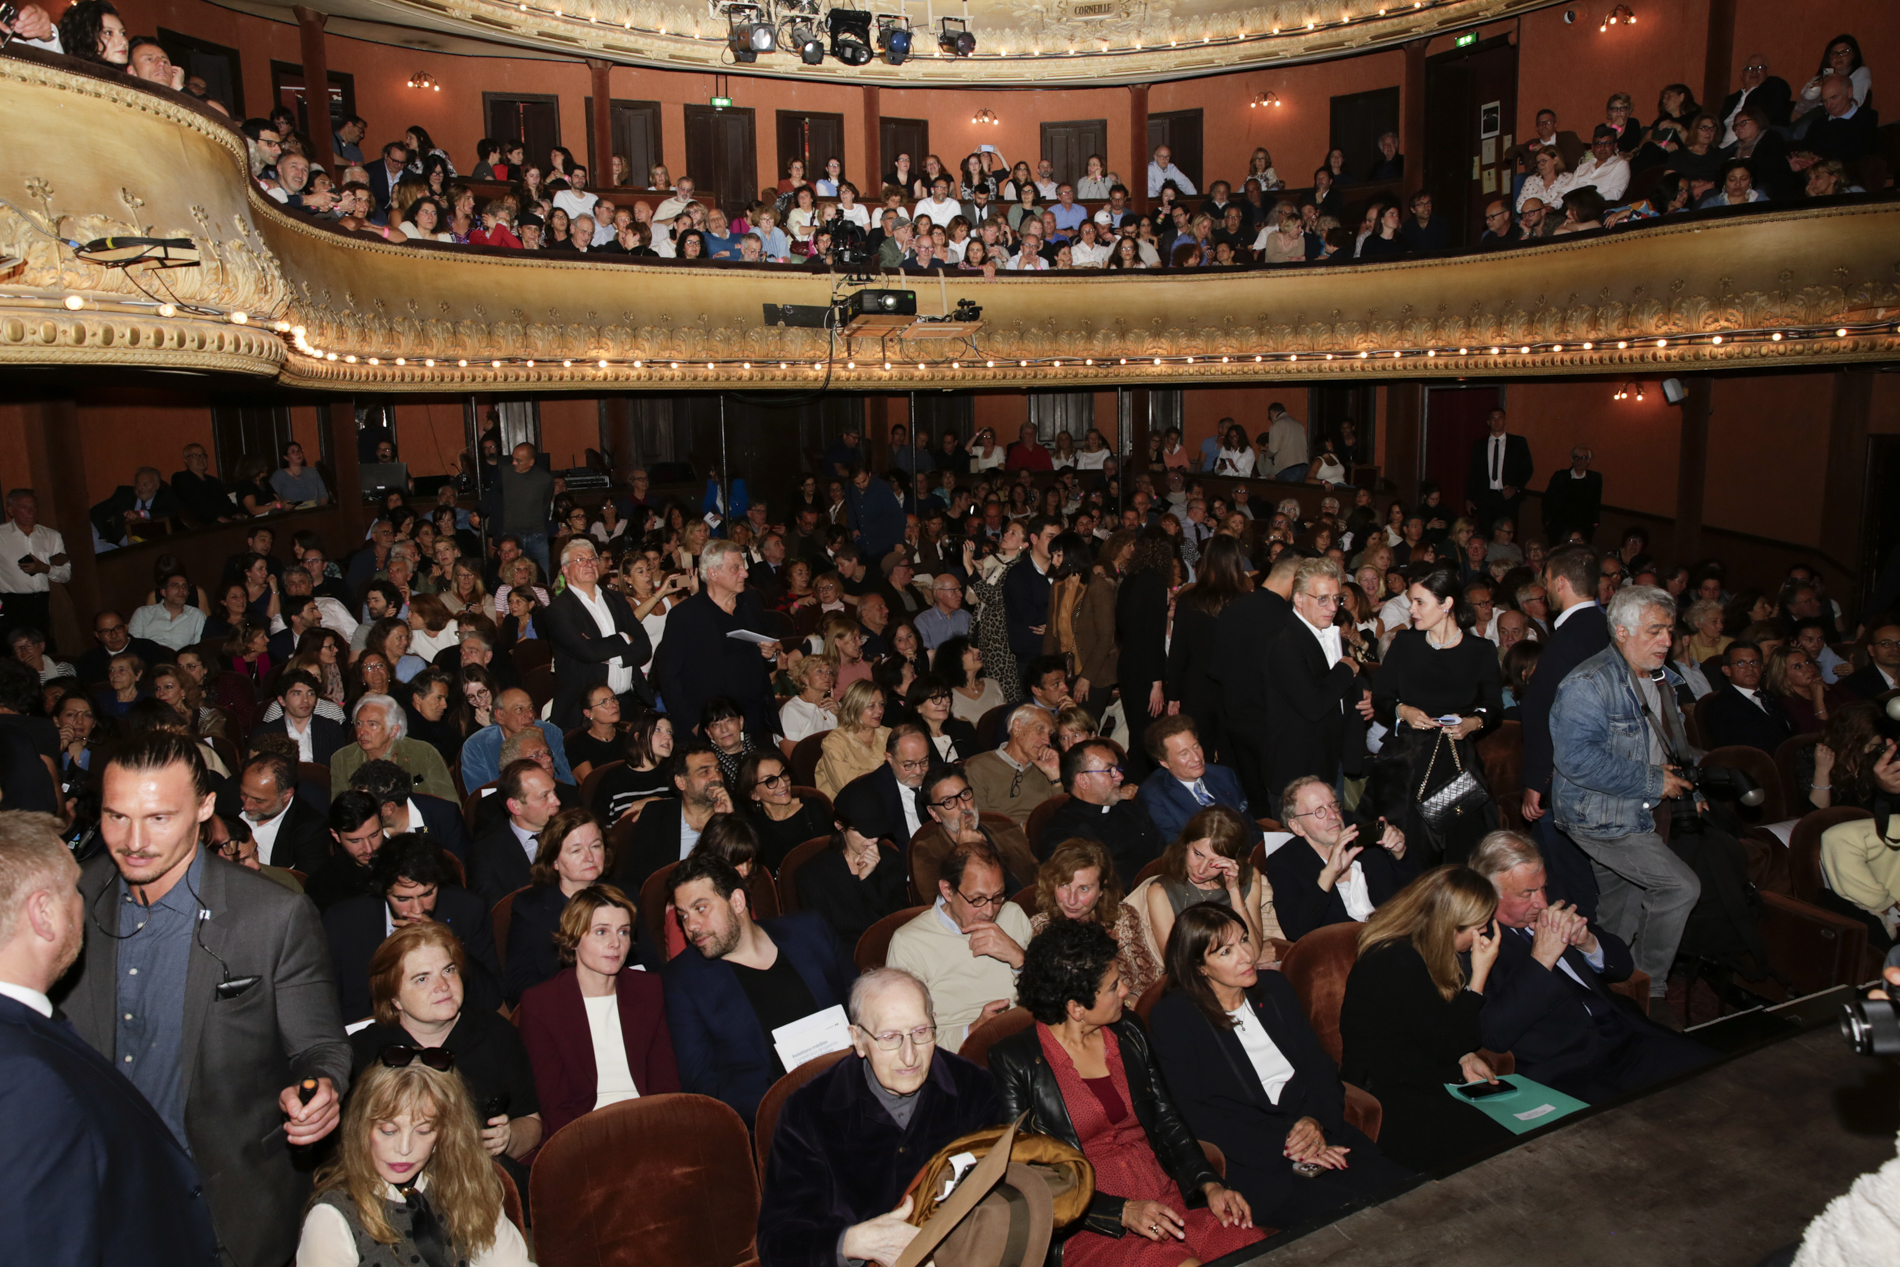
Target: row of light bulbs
(299, 340)
(1241, 37)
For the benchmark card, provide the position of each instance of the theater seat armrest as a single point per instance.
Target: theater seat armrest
(1636, 989)
(1364, 1113)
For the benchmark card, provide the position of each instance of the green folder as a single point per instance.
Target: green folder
(1526, 1107)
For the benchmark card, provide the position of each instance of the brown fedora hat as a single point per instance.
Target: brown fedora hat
(1016, 1219)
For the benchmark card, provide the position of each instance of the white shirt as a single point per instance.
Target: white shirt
(798, 718)
(526, 839)
(265, 834)
(1494, 448)
(619, 672)
(31, 998)
(1328, 641)
(576, 202)
(1029, 263)
(613, 1076)
(1086, 256)
(1159, 175)
(1268, 1061)
(1610, 177)
(939, 212)
(907, 800)
(1551, 195)
(306, 749)
(43, 543)
(158, 624)
(1574, 607)
(670, 210)
(857, 215)
(1753, 697)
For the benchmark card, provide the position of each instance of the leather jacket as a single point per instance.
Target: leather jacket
(1024, 1081)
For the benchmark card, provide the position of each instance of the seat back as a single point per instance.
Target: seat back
(1502, 752)
(591, 784)
(1039, 820)
(762, 892)
(696, 1200)
(313, 774)
(1151, 996)
(1025, 897)
(1794, 762)
(1804, 849)
(805, 758)
(530, 654)
(538, 682)
(994, 819)
(473, 802)
(986, 1034)
(876, 941)
(819, 799)
(788, 871)
(1698, 716)
(1316, 968)
(510, 1198)
(766, 1120)
(1759, 767)
(989, 727)
(236, 694)
(654, 895)
(499, 919)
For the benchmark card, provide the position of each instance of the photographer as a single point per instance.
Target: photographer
(1614, 729)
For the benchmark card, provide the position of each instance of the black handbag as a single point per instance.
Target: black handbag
(1462, 794)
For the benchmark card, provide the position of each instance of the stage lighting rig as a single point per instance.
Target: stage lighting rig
(850, 35)
(893, 37)
(811, 49)
(748, 33)
(954, 38)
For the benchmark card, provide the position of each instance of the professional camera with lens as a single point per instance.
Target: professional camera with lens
(1723, 783)
(848, 244)
(1871, 1027)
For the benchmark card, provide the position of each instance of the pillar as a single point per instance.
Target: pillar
(1137, 177)
(316, 86)
(1403, 423)
(600, 156)
(352, 513)
(1845, 487)
(1412, 118)
(56, 467)
(1692, 462)
(1719, 52)
(873, 180)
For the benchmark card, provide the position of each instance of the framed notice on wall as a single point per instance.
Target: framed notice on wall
(1490, 119)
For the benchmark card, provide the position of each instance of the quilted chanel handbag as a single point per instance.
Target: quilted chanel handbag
(1462, 794)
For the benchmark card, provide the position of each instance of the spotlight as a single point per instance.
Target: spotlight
(747, 35)
(893, 37)
(850, 35)
(954, 38)
(811, 49)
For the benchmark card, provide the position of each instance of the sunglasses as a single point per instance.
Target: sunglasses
(398, 1056)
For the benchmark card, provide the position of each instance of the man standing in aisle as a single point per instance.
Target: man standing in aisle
(1500, 470)
(31, 557)
(519, 501)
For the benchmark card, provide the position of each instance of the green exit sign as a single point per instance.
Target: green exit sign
(1466, 40)
(721, 103)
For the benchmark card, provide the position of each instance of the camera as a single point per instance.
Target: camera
(1871, 1027)
(1723, 783)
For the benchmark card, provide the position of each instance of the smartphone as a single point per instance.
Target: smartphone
(1449, 719)
(1485, 1090)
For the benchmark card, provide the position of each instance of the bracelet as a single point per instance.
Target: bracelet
(1820, 787)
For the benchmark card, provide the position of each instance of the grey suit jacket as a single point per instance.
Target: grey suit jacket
(238, 1053)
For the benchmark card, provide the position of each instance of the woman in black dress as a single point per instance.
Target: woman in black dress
(571, 856)
(1437, 690)
(647, 775)
(1141, 630)
(1191, 651)
(1409, 1021)
(860, 879)
(782, 819)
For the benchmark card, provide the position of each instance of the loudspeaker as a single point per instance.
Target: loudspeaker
(1673, 391)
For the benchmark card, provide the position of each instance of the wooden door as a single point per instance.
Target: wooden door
(1359, 119)
(812, 139)
(220, 67)
(722, 156)
(534, 119)
(289, 88)
(1454, 418)
(1068, 145)
(899, 136)
(1465, 169)
(1180, 131)
(636, 137)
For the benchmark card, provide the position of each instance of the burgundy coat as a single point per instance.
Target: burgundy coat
(553, 1023)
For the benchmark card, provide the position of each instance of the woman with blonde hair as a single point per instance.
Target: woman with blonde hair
(466, 590)
(844, 647)
(1078, 882)
(814, 710)
(856, 746)
(1410, 1020)
(409, 1175)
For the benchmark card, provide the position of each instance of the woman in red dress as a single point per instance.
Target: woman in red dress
(1085, 1076)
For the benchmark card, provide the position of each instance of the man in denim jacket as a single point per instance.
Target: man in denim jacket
(1615, 732)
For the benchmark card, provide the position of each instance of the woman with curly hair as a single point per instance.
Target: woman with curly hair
(1084, 1075)
(410, 1174)
(92, 31)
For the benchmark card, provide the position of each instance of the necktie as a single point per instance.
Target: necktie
(1201, 793)
(1497, 461)
(424, 1231)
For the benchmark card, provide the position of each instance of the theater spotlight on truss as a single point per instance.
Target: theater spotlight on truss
(850, 35)
(893, 37)
(811, 49)
(954, 38)
(748, 34)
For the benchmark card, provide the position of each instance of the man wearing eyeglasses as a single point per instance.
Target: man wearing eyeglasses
(1314, 695)
(849, 1140)
(1344, 869)
(1497, 227)
(1759, 88)
(1098, 810)
(968, 947)
(1882, 672)
(946, 618)
(896, 782)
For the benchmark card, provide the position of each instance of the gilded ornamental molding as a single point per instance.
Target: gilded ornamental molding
(280, 297)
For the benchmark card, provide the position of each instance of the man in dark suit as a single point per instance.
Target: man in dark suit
(289, 832)
(1500, 469)
(1573, 500)
(357, 833)
(1185, 782)
(114, 636)
(667, 829)
(1339, 869)
(297, 696)
(1578, 632)
(697, 660)
(740, 981)
(147, 499)
(223, 975)
(501, 859)
(413, 883)
(93, 1174)
(383, 177)
(1547, 1001)
(1247, 624)
(595, 636)
(1315, 699)
(907, 759)
(1840, 129)
(1769, 93)
(401, 809)
(1096, 810)
(1740, 712)
(1881, 673)
(768, 575)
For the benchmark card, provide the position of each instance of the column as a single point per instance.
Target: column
(1845, 487)
(1137, 176)
(352, 513)
(1692, 463)
(1719, 53)
(1412, 118)
(1404, 416)
(600, 160)
(56, 465)
(873, 179)
(316, 85)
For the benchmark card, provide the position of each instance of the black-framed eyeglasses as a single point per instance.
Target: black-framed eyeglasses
(965, 797)
(983, 903)
(399, 1056)
(1107, 769)
(891, 1040)
(774, 780)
